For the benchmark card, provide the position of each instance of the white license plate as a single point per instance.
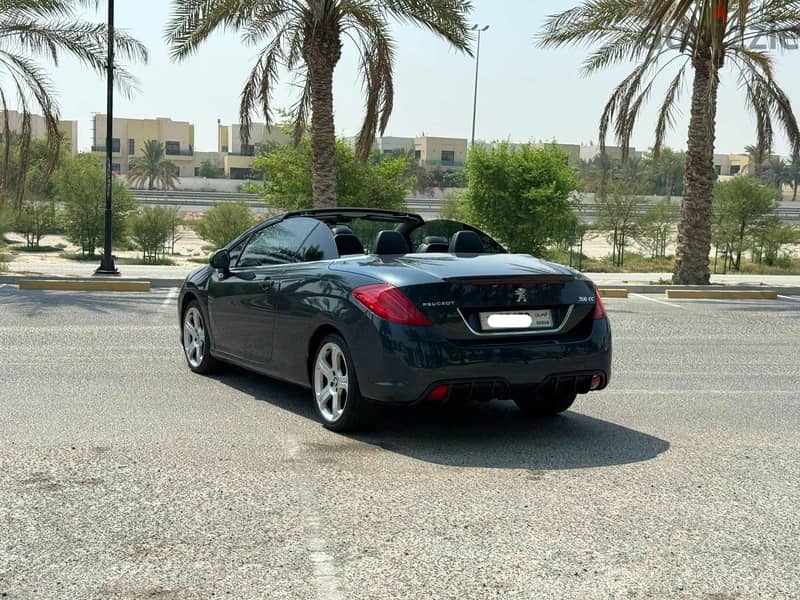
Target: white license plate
(523, 319)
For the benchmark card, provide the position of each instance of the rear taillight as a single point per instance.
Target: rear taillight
(390, 304)
(599, 309)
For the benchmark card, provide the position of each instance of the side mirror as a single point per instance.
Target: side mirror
(220, 260)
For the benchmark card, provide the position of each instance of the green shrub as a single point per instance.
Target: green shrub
(522, 196)
(224, 222)
(151, 230)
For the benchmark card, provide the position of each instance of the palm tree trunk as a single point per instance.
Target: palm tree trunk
(322, 53)
(694, 229)
(795, 185)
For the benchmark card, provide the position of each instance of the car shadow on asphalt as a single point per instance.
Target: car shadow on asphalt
(486, 435)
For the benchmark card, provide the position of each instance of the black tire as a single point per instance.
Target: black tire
(545, 406)
(199, 357)
(354, 411)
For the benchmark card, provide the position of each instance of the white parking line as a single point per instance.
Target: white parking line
(323, 563)
(169, 300)
(659, 301)
(793, 298)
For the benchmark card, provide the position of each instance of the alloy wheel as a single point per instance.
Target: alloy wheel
(194, 337)
(331, 383)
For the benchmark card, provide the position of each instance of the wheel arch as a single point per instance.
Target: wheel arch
(313, 344)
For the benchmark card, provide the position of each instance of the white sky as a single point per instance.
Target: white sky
(525, 93)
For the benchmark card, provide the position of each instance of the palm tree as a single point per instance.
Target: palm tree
(777, 174)
(35, 31)
(794, 172)
(153, 168)
(305, 37)
(697, 37)
(757, 157)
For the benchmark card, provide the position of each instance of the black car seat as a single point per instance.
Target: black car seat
(347, 244)
(465, 242)
(432, 243)
(391, 242)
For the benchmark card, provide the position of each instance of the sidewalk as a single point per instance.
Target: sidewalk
(161, 276)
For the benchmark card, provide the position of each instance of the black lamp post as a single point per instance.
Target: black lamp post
(107, 262)
(477, 64)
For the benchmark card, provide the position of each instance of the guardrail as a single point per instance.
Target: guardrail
(587, 211)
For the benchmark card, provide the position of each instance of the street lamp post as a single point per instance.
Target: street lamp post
(477, 63)
(107, 266)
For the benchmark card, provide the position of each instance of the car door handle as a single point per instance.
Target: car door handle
(266, 284)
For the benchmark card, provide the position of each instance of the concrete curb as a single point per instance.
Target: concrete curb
(15, 278)
(85, 285)
(18, 279)
(613, 292)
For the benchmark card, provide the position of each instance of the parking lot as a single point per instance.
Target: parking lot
(122, 475)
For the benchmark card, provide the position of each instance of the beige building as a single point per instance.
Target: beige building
(730, 165)
(435, 152)
(68, 129)
(238, 157)
(130, 135)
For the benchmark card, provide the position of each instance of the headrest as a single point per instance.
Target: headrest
(432, 243)
(390, 242)
(466, 242)
(339, 229)
(347, 244)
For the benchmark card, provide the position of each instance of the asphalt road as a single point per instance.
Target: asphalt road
(122, 475)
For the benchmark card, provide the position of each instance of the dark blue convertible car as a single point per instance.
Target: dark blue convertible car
(370, 306)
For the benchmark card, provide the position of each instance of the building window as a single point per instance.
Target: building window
(197, 171)
(172, 148)
(131, 146)
(115, 144)
(718, 170)
(248, 150)
(735, 169)
(417, 154)
(115, 168)
(448, 156)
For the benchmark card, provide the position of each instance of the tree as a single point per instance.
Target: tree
(151, 229)
(617, 214)
(739, 204)
(288, 182)
(697, 37)
(794, 173)
(224, 222)
(757, 156)
(153, 168)
(522, 196)
(210, 171)
(36, 219)
(47, 30)
(777, 174)
(80, 185)
(305, 38)
(654, 228)
(770, 236)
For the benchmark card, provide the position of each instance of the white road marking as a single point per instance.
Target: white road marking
(169, 300)
(323, 562)
(659, 301)
(793, 298)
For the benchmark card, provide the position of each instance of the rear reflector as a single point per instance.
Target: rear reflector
(597, 381)
(439, 393)
(599, 309)
(389, 303)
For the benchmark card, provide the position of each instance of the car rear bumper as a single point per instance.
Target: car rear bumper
(404, 364)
